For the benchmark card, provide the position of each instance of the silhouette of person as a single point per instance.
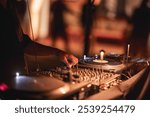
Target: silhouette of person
(88, 15)
(14, 43)
(57, 25)
(141, 29)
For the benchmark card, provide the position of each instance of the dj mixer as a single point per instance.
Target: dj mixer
(88, 78)
(94, 77)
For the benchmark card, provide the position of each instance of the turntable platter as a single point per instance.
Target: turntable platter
(36, 83)
(100, 61)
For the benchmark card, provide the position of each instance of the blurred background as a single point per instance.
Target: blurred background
(87, 26)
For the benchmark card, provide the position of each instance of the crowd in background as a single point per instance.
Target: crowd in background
(59, 20)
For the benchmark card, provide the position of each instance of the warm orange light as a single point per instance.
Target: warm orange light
(102, 55)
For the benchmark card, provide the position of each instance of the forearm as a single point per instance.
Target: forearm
(34, 48)
(41, 50)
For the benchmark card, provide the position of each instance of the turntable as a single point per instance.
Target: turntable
(35, 83)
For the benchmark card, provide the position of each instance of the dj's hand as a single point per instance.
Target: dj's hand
(69, 60)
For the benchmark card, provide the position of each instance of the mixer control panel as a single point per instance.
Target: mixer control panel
(98, 77)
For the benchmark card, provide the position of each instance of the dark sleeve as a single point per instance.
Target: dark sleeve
(26, 40)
